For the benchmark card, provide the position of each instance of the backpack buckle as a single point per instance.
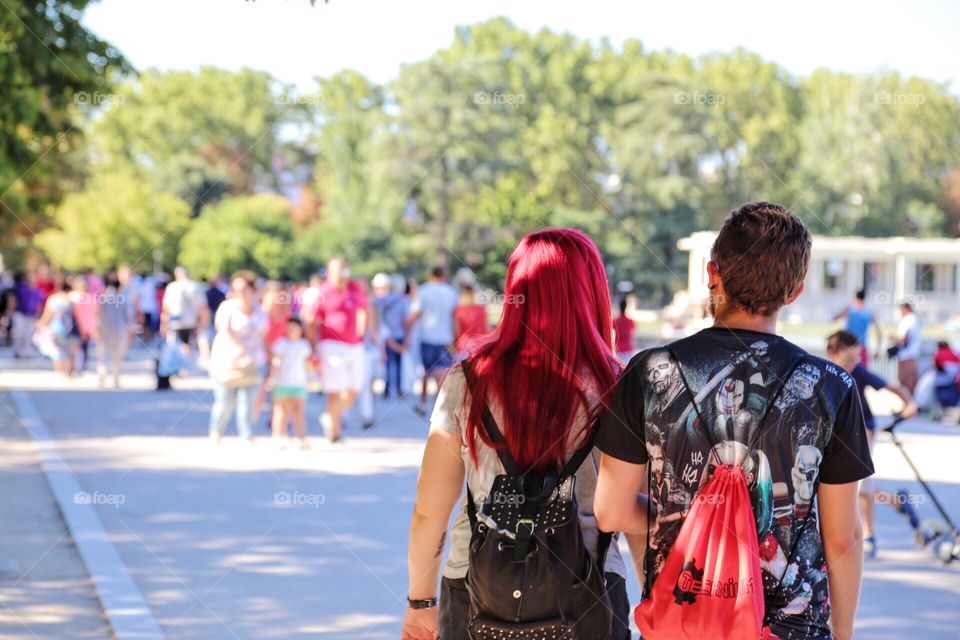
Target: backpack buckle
(521, 546)
(528, 523)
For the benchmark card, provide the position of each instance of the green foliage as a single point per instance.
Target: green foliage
(241, 232)
(49, 63)
(115, 219)
(506, 131)
(199, 135)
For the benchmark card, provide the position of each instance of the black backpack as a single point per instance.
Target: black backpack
(530, 575)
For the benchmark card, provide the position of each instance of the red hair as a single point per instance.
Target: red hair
(551, 344)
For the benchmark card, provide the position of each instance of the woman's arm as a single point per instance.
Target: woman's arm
(438, 490)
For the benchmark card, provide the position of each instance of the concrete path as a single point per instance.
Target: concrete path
(45, 590)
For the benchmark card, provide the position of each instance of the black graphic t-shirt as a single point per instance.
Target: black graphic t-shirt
(802, 412)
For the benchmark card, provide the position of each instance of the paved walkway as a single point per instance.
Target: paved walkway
(250, 542)
(45, 591)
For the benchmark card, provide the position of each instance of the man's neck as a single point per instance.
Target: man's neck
(738, 319)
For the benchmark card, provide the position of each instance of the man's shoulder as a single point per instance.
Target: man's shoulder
(836, 380)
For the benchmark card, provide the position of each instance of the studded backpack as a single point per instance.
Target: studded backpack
(530, 575)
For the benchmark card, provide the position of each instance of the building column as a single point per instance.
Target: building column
(899, 278)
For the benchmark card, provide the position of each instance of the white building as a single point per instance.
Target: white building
(923, 272)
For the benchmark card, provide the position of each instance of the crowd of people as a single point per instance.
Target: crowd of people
(262, 342)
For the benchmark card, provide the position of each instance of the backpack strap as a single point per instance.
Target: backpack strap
(580, 455)
(756, 435)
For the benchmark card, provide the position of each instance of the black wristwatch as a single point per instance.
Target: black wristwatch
(428, 603)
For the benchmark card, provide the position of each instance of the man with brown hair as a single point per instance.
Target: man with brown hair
(801, 412)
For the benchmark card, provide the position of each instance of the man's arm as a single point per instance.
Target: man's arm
(411, 320)
(362, 322)
(618, 503)
(909, 406)
(842, 536)
(842, 314)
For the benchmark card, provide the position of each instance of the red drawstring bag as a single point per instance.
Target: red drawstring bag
(710, 584)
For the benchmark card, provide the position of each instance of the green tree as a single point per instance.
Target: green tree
(200, 135)
(116, 218)
(242, 232)
(50, 63)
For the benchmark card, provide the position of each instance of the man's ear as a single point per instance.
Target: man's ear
(796, 294)
(713, 275)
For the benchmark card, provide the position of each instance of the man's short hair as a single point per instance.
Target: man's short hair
(861, 295)
(840, 340)
(762, 253)
(439, 271)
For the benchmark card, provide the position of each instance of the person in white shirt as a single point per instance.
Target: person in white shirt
(184, 309)
(908, 340)
(433, 308)
(289, 362)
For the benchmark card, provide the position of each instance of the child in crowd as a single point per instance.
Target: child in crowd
(289, 361)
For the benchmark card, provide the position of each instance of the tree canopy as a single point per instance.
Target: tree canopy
(505, 131)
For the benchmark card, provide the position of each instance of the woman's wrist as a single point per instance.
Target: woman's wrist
(421, 603)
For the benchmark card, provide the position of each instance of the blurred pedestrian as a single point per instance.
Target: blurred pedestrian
(433, 309)
(623, 333)
(149, 310)
(339, 320)
(114, 330)
(184, 309)
(907, 346)
(85, 311)
(237, 357)
(469, 320)
(6, 308)
(843, 349)
(410, 365)
(859, 320)
(946, 363)
(289, 360)
(27, 305)
(390, 309)
(59, 326)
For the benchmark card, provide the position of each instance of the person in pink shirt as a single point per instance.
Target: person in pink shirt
(85, 307)
(339, 320)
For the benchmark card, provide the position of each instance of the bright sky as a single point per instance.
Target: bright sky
(296, 42)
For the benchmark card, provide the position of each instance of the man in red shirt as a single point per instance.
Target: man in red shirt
(340, 316)
(623, 329)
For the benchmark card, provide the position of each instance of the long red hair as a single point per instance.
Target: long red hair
(552, 342)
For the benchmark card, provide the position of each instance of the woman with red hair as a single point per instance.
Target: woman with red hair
(544, 374)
